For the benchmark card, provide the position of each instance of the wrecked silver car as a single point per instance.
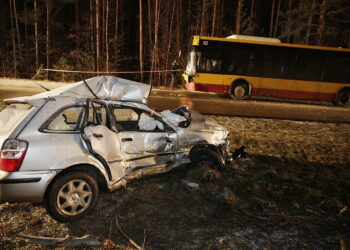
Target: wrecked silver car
(62, 146)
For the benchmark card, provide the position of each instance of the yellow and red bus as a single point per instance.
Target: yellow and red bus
(245, 66)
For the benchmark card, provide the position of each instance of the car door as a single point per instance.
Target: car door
(103, 141)
(146, 141)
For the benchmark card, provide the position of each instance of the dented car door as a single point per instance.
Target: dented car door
(130, 139)
(145, 139)
(104, 141)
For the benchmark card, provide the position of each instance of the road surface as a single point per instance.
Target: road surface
(207, 103)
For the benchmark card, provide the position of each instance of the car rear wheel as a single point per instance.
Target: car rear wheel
(71, 196)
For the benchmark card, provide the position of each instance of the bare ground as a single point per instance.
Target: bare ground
(292, 191)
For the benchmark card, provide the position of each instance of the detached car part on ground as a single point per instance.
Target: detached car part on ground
(61, 147)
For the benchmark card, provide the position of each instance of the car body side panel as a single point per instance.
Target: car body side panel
(54, 150)
(26, 185)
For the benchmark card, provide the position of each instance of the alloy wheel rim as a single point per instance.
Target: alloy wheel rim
(74, 197)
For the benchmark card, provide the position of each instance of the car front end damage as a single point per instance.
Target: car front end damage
(204, 139)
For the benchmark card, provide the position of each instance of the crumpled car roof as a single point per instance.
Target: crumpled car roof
(104, 87)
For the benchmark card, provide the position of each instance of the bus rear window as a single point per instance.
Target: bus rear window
(12, 115)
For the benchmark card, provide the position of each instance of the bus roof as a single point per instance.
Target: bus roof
(197, 38)
(255, 38)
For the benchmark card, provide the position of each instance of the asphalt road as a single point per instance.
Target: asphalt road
(209, 103)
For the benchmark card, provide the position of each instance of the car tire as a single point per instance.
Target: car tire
(344, 98)
(239, 91)
(71, 196)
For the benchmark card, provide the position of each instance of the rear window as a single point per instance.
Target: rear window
(12, 115)
(67, 120)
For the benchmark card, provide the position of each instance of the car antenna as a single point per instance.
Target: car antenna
(92, 92)
(33, 79)
(40, 85)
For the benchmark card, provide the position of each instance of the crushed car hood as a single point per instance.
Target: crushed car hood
(104, 87)
(202, 129)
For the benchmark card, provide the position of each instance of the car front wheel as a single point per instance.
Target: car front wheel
(71, 196)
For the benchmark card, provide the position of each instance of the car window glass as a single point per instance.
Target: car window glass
(97, 115)
(67, 120)
(128, 119)
(12, 115)
(125, 115)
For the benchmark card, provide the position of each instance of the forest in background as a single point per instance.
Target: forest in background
(148, 35)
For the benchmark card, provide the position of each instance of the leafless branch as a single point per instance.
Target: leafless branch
(132, 242)
(70, 241)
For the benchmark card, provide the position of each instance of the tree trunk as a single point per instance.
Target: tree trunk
(309, 22)
(17, 29)
(238, 17)
(36, 37)
(48, 35)
(272, 18)
(13, 38)
(92, 44)
(220, 17)
(4, 45)
(289, 21)
(321, 24)
(178, 25)
(155, 44)
(277, 18)
(299, 23)
(251, 27)
(150, 28)
(169, 42)
(116, 30)
(97, 13)
(77, 24)
(214, 18)
(106, 38)
(103, 26)
(140, 39)
(203, 20)
(25, 23)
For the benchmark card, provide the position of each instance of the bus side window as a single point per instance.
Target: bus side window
(242, 59)
(310, 65)
(336, 68)
(210, 58)
(279, 62)
(236, 61)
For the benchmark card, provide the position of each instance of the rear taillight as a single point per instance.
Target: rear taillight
(12, 154)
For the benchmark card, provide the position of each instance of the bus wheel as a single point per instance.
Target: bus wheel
(344, 98)
(239, 91)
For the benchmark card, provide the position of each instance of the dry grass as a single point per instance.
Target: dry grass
(305, 142)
